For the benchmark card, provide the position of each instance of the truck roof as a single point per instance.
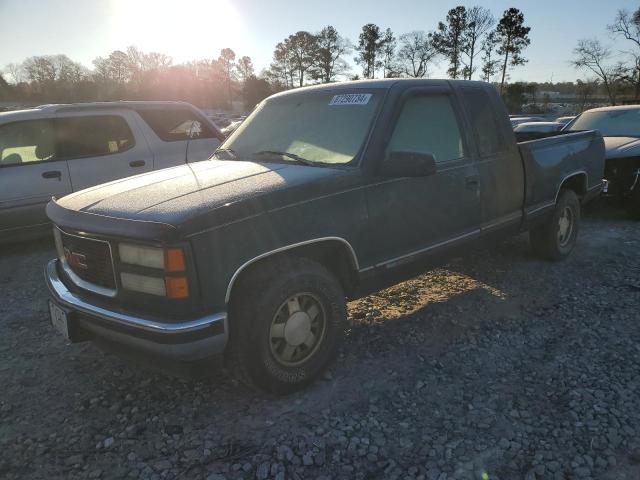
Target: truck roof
(385, 84)
(617, 107)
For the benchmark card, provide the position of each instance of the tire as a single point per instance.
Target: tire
(287, 324)
(556, 239)
(633, 203)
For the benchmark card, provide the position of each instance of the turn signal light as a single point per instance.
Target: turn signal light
(174, 260)
(176, 287)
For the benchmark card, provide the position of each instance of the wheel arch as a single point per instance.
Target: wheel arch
(576, 181)
(331, 252)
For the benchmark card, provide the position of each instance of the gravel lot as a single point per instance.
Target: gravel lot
(498, 366)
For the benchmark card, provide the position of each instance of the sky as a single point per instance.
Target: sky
(194, 29)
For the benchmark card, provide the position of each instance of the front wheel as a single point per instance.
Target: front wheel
(556, 239)
(287, 324)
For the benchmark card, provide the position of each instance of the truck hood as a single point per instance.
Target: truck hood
(617, 147)
(196, 196)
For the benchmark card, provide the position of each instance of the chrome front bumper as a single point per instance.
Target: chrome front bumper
(190, 340)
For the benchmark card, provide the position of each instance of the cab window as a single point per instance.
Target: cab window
(427, 124)
(175, 124)
(92, 136)
(26, 142)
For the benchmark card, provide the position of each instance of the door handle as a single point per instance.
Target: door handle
(137, 163)
(52, 174)
(471, 181)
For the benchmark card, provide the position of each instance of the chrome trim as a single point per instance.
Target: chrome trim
(502, 220)
(354, 258)
(67, 298)
(92, 287)
(431, 247)
(537, 209)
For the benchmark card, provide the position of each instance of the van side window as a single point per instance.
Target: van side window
(26, 142)
(483, 120)
(427, 124)
(91, 136)
(175, 124)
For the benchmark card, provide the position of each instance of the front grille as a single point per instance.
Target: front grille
(89, 259)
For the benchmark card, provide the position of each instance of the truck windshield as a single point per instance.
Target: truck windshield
(610, 123)
(319, 128)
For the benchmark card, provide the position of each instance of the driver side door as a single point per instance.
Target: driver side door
(411, 216)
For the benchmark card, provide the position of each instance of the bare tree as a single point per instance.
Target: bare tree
(490, 63)
(415, 53)
(479, 22)
(627, 26)
(16, 72)
(584, 91)
(592, 55)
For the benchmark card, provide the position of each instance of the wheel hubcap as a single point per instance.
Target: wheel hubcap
(297, 329)
(565, 227)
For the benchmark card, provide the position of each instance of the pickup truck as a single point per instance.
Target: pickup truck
(59, 149)
(323, 194)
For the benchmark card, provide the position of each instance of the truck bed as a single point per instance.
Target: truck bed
(549, 161)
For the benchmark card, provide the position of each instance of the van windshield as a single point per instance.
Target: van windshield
(324, 127)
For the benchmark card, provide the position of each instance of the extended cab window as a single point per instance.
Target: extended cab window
(483, 119)
(427, 124)
(90, 136)
(175, 124)
(26, 142)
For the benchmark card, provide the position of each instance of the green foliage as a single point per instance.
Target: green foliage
(513, 38)
(449, 39)
(369, 45)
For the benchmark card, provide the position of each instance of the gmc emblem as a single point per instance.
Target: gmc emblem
(75, 259)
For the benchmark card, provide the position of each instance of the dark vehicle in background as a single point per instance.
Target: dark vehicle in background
(620, 127)
(534, 130)
(517, 120)
(322, 194)
(565, 120)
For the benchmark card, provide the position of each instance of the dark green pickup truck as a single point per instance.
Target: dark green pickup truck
(323, 194)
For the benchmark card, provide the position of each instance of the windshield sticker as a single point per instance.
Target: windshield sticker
(351, 99)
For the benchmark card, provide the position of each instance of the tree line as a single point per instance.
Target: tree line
(471, 41)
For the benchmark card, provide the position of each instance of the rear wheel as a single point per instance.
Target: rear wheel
(287, 324)
(556, 239)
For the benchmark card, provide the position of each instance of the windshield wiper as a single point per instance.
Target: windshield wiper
(228, 151)
(293, 156)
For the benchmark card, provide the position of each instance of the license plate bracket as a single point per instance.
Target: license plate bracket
(59, 319)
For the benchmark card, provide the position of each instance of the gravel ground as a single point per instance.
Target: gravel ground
(497, 366)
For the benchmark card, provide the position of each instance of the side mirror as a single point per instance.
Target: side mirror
(409, 164)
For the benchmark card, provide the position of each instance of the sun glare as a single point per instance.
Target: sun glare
(185, 30)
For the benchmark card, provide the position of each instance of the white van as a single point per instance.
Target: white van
(54, 150)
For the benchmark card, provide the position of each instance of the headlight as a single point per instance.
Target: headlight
(143, 283)
(151, 257)
(165, 260)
